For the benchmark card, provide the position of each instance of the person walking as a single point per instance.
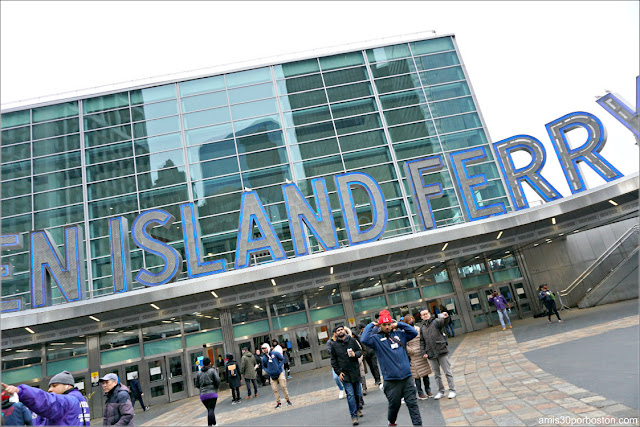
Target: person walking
(501, 305)
(277, 347)
(208, 381)
(433, 346)
(420, 368)
(117, 409)
(344, 361)
(369, 356)
(14, 413)
(232, 372)
(258, 360)
(336, 378)
(285, 355)
(363, 380)
(272, 364)
(548, 298)
(449, 326)
(389, 340)
(63, 405)
(248, 371)
(136, 392)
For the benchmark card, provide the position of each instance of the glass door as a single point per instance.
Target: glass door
(304, 353)
(156, 373)
(477, 303)
(521, 298)
(192, 358)
(177, 377)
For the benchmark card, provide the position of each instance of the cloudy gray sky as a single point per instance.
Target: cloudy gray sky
(529, 62)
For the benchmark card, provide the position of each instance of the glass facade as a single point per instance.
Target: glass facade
(207, 140)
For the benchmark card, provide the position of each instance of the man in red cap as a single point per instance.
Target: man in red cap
(388, 339)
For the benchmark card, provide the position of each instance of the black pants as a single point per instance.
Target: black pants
(235, 393)
(248, 382)
(395, 390)
(133, 401)
(260, 377)
(372, 361)
(210, 404)
(551, 308)
(427, 386)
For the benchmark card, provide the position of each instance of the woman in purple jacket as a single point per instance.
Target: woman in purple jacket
(63, 405)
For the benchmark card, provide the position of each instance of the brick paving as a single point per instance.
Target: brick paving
(498, 385)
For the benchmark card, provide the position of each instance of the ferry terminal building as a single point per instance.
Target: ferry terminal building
(178, 212)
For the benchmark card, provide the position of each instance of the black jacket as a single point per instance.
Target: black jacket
(342, 363)
(134, 385)
(432, 342)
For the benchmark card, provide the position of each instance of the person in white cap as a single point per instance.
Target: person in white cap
(272, 364)
(63, 405)
(117, 409)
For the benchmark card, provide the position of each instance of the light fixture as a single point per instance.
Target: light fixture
(155, 306)
(561, 234)
(273, 282)
(239, 305)
(94, 318)
(256, 306)
(166, 321)
(499, 235)
(78, 342)
(214, 294)
(575, 231)
(613, 203)
(56, 343)
(30, 331)
(553, 220)
(536, 244)
(445, 246)
(112, 332)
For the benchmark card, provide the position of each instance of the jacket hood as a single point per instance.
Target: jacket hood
(230, 356)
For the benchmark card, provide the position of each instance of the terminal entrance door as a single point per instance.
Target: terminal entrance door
(303, 351)
(167, 379)
(478, 309)
(192, 356)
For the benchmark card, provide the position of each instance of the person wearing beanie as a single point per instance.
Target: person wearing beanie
(389, 340)
(117, 408)
(272, 364)
(208, 381)
(234, 378)
(14, 413)
(63, 405)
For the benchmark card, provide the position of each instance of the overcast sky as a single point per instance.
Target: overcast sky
(529, 62)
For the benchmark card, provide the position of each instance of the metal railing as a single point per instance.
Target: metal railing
(605, 263)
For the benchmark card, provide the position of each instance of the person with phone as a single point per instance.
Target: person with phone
(501, 305)
(388, 339)
(434, 347)
(345, 352)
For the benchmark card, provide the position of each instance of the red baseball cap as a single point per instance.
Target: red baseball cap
(385, 317)
(5, 396)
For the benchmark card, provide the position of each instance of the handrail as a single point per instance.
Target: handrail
(598, 261)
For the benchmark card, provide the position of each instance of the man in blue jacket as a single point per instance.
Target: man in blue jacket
(272, 364)
(389, 340)
(63, 405)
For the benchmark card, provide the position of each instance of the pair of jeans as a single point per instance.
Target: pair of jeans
(336, 378)
(427, 385)
(449, 329)
(372, 361)
(551, 308)
(353, 392)
(248, 382)
(395, 390)
(210, 404)
(133, 401)
(503, 313)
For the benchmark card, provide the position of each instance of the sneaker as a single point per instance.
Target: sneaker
(549, 321)
(429, 394)
(422, 396)
(354, 421)
(392, 424)
(402, 401)
(510, 327)
(233, 402)
(504, 329)
(341, 394)
(289, 403)
(438, 396)
(278, 405)
(559, 321)
(452, 394)
(238, 401)
(360, 414)
(381, 386)
(378, 383)
(289, 377)
(248, 397)
(255, 395)
(364, 393)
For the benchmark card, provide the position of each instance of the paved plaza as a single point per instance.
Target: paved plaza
(586, 367)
